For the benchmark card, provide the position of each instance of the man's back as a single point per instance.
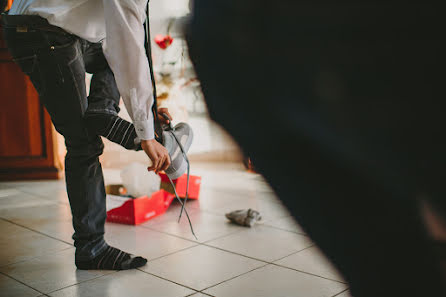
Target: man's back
(84, 18)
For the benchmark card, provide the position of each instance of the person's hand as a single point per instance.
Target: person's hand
(157, 153)
(162, 119)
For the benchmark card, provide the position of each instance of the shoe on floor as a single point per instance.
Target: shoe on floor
(244, 217)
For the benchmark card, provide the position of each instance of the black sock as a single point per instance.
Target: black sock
(112, 259)
(113, 128)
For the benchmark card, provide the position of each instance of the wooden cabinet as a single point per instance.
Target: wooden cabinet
(27, 137)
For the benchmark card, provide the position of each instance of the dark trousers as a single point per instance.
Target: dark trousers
(56, 63)
(338, 105)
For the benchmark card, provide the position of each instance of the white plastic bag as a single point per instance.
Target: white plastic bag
(138, 181)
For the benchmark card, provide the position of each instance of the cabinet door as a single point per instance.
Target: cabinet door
(27, 138)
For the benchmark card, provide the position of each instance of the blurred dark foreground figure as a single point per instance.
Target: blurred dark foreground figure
(341, 107)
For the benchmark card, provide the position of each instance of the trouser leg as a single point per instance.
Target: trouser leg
(104, 94)
(58, 72)
(101, 116)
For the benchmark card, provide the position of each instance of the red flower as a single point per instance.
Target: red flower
(163, 41)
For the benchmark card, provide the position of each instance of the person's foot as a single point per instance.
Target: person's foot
(112, 259)
(113, 128)
(183, 133)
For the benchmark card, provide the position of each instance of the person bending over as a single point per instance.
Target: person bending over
(55, 43)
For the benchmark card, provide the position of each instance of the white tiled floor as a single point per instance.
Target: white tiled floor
(10, 287)
(312, 261)
(275, 281)
(275, 258)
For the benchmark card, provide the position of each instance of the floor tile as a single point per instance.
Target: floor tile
(62, 230)
(40, 184)
(50, 272)
(344, 294)
(262, 242)
(56, 196)
(256, 187)
(10, 199)
(175, 257)
(46, 182)
(201, 267)
(54, 191)
(128, 283)
(12, 288)
(33, 184)
(206, 226)
(262, 184)
(52, 219)
(6, 186)
(8, 191)
(264, 195)
(43, 188)
(233, 177)
(143, 242)
(278, 282)
(199, 295)
(30, 215)
(211, 199)
(287, 223)
(26, 244)
(311, 260)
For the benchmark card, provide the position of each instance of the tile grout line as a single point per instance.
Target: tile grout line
(172, 253)
(293, 253)
(282, 229)
(229, 279)
(166, 233)
(45, 294)
(198, 242)
(146, 227)
(311, 246)
(266, 264)
(26, 285)
(201, 292)
(34, 257)
(223, 236)
(273, 227)
(234, 253)
(203, 244)
(272, 262)
(12, 222)
(301, 271)
(257, 259)
(91, 279)
(41, 197)
(341, 292)
(171, 281)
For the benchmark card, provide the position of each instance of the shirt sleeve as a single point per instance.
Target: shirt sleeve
(125, 53)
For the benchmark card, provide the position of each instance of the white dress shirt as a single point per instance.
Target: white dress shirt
(119, 24)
